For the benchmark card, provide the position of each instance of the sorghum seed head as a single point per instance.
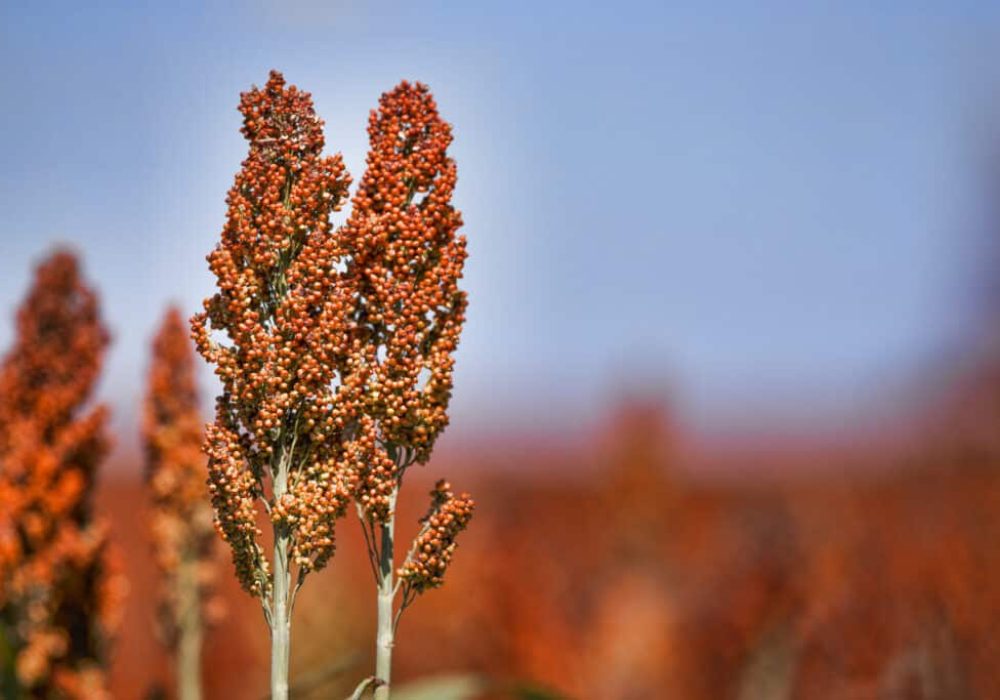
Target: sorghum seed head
(407, 259)
(55, 560)
(434, 547)
(181, 520)
(283, 315)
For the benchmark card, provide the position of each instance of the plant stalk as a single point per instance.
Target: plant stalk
(280, 614)
(190, 631)
(386, 595)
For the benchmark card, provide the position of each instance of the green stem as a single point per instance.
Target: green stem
(386, 595)
(280, 617)
(190, 631)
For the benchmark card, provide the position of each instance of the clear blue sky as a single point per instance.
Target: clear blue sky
(757, 207)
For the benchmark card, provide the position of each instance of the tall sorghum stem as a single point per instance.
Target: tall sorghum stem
(280, 613)
(280, 622)
(386, 597)
(189, 630)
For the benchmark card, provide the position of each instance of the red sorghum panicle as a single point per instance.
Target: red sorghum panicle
(405, 262)
(60, 590)
(283, 317)
(176, 472)
(434, 546)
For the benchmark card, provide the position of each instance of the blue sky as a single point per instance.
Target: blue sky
(761, 209)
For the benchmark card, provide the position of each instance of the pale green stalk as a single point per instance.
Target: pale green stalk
(386, 596)
(280, 617)
(189, 630)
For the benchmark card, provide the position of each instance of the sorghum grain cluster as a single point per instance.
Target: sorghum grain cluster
(181, 520)
(280, 307)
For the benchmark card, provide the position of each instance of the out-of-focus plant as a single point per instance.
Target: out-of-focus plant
(404, 263)
(181, 523)
(337, 354)
(60, 592)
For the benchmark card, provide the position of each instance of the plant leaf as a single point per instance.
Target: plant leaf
(362, 686)
(523, 691)
(450, 687)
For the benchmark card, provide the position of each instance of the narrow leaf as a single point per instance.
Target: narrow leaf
(363, 686)
(454, 687)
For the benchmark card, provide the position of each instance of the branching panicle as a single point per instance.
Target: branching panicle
(280, 307)
(433, 548)
(406, 261)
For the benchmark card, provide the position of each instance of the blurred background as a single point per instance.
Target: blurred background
(729, 392)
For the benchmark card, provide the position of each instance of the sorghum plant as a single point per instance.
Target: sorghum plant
(181, 523)
(404, 264)
(338, 352)
(276, 439)
(59, 591)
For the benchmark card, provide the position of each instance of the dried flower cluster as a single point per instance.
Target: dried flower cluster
(181, 521)
(279, 305)
(59, 590)
(405, 263)
(434, 546)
